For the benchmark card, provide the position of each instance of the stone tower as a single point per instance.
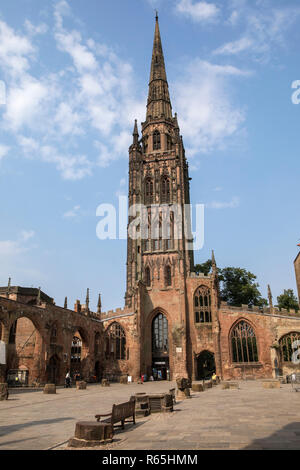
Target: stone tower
(159, 181)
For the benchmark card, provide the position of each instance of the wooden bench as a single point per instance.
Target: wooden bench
(120, 413)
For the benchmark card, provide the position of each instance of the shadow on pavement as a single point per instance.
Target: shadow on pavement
(287, 438)
(4, 430)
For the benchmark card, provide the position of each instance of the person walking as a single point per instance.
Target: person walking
(68, 380)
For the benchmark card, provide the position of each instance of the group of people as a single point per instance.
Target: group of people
(68, 379)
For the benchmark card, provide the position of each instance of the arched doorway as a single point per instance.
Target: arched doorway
(53, 370)
(160, 347)
(23, 352)
(98, 371)
(205, 365)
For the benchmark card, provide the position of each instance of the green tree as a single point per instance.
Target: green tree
(204, 268)
(238, 287)
(288, 300)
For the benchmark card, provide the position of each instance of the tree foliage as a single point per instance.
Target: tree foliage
(204, 268)
(237, 285)
(288, 300)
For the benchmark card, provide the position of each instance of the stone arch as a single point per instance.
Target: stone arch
(80, 353)
(202, 305)
(156, 140)
(165, 190)
(205, 364)
(243, 342)
(26, 342)
(160, 344)
(168, 275)
(115, 342)
(286, 349)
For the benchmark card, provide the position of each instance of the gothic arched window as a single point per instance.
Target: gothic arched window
(156, 140)
(202, 305)
(168, 276)
(165, 190)
(149, 191)
(243, 343)
(76, 348)
(169, 142)
(286, 346)
(160, 343)
(115, 342)
(147, 276)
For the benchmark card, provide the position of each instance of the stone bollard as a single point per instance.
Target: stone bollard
(50, 389)
(142, 404)
(183, 386)
(81, 385)
(271, 384)
(230, 386)
(91, 434)
(167, 406)
(196, 387)
(105, 383)
(3, 391)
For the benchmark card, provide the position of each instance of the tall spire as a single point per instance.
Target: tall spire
(159, 103)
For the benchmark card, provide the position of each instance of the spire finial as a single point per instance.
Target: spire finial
(270, 296)
(156, 15)
(66, 303)
(8, 287)
(38, 301)
(99, 305)
(87, 302)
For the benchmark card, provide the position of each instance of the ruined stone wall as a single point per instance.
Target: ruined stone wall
(203, 336)
(37, 353)
(269, 328)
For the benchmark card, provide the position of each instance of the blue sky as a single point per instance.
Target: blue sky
(76, 75)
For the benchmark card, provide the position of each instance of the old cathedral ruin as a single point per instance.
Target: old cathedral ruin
(173, 320)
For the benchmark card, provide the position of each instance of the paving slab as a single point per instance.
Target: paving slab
(249, 418)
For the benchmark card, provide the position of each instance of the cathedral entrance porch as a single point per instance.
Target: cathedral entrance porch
(160, 368)
(205, 365)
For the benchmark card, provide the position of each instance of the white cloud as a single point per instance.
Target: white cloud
(264, 28)
(198, 11)
(25, 102)
(72, 213)
(27, 234)
(10, 248)
(203, 99)
(233, 204)
(52, 116)
(33, 30)
(15, 50)
(235, 47)
(4, 149)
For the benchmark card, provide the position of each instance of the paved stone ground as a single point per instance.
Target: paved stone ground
(249, 418)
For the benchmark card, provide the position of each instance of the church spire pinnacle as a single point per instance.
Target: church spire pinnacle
(135, 133)
(159, 103)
